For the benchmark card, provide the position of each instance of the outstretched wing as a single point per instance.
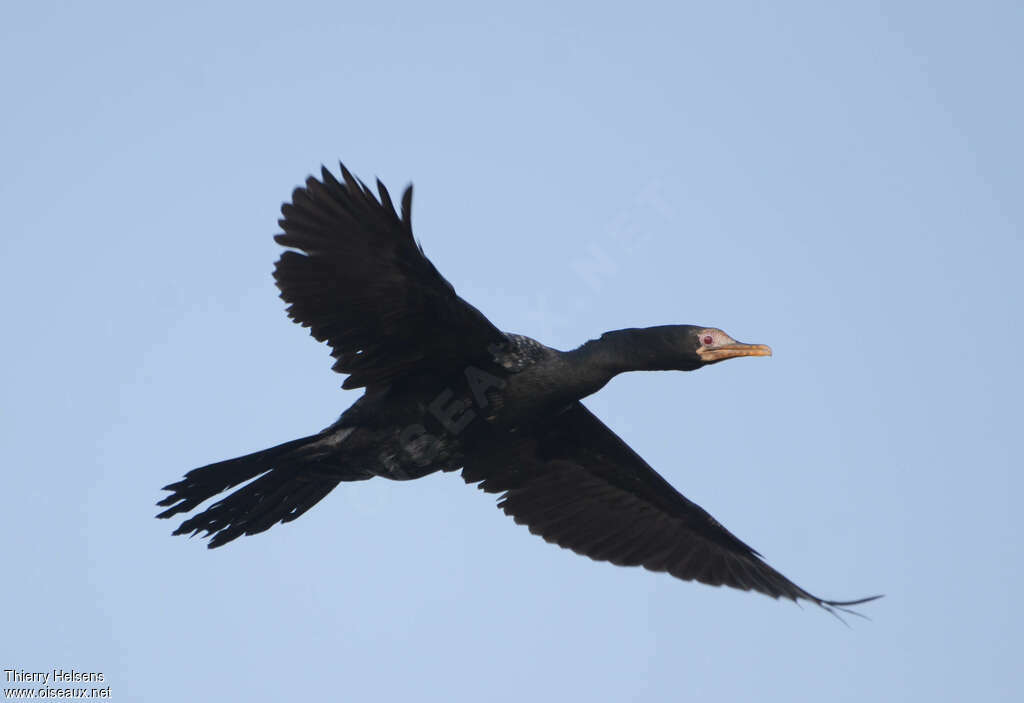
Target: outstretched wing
(575, 483)
(361, 283)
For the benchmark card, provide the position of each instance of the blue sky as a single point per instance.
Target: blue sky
(840, 181)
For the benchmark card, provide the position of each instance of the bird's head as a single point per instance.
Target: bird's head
(683, 347)
(714, 345)
(664, 348)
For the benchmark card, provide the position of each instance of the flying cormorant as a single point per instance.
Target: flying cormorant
(446, 390)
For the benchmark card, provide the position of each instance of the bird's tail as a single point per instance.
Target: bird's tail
(293, 477)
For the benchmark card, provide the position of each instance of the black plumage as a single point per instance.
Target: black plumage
(446, 390)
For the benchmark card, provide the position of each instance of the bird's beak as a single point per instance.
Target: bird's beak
(731, 351)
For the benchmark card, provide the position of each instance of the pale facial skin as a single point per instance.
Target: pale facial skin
(716, 345)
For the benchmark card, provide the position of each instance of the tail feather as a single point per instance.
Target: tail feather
(289, 480)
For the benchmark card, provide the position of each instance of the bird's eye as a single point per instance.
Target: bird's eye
(708, 340)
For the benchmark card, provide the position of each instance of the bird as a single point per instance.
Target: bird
(446, 390)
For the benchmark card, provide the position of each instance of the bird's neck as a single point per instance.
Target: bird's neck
(645, 349)
(564, 377)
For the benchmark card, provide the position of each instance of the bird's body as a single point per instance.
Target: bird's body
(446, 390)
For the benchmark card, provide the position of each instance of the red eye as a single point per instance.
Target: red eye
(708, 340)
